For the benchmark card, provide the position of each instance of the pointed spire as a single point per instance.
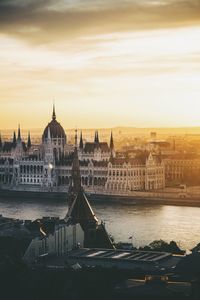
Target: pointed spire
(79, 210)
(76, 174)
(96, 137)
(14, 139)
(0, 141)
(111, 142)
(19, 134)
(29, 141)
(54, 113)
(81, 141)
(76, 139)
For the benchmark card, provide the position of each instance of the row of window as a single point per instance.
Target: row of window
(31, 169)
(127, 173)
(30, 180)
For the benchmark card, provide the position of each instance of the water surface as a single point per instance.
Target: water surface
(144, 223)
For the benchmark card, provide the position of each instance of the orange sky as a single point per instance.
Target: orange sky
(105, 63)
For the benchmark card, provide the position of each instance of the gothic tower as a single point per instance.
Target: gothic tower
(14, 140)
(112, 147)
(29, 141)
(81, 142)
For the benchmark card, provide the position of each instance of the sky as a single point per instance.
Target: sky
(104, 63)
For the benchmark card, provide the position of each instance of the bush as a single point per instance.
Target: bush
(162, 246)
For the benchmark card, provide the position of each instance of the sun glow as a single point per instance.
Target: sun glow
(142, 78)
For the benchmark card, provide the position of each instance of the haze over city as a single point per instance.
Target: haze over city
(105, 63)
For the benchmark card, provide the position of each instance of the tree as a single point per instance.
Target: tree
(162, 246)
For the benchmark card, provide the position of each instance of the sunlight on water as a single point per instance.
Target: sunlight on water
(144, 223)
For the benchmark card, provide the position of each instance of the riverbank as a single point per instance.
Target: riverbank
(45, 195)
(165, 197)
(127, 200)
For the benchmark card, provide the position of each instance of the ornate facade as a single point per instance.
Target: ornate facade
(47, 167)
(183, 170)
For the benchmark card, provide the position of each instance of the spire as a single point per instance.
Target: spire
(75, 185)
(0, 141)
(81, 141)
(79, 210)
(14, 139)
(29, 141)
(19, 134)
(76, 139)
(54, 114)
(76, 174)
(111, 142)
(96, 137)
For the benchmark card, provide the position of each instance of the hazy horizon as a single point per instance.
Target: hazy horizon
(118, 129)
(107, 128)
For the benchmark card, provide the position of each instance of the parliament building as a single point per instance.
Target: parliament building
(47, 167)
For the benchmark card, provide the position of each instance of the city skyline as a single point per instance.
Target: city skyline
(104, 63)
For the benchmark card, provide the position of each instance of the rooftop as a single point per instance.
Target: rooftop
(125, 259)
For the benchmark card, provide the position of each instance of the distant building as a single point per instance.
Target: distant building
(182, 170)
(47, 167)
(145, 172)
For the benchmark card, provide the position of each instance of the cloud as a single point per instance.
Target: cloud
(43, 21)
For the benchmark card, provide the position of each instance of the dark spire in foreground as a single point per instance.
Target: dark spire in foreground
(19, 134)
(29, 141)
(54, 113)
(111, 142)
(80, 210)
(76, 176)
(81, 141)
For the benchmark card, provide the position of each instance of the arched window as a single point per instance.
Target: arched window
(83, 181)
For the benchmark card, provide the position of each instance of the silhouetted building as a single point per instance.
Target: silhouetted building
(80, 211)
(28, 239)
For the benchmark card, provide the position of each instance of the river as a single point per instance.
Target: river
(144, 223)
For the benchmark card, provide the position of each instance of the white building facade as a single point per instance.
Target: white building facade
(49, 168)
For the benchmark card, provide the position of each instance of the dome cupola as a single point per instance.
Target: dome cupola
(56, 130)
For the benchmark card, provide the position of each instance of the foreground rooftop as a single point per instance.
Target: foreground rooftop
(125, 259)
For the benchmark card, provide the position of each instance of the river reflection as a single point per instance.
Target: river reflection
(144, 223)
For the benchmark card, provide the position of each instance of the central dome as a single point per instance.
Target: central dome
(56, 130)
